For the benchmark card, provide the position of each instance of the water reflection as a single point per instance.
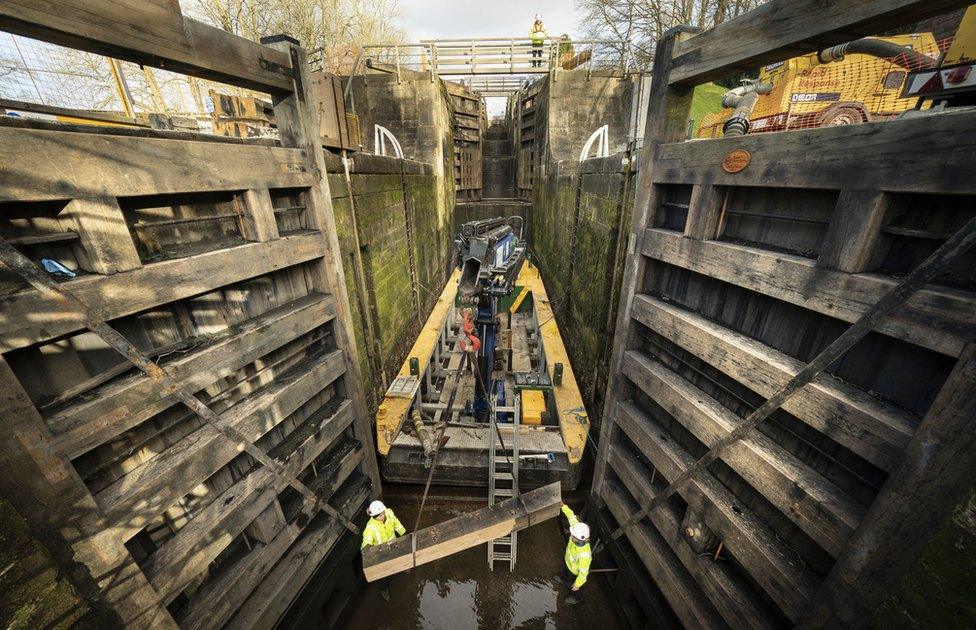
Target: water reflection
(459, 592)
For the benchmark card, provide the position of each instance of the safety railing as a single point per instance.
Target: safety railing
(493, 56)
(495, 85)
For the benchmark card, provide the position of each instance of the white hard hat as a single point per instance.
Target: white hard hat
(376, 508)
(580, 531)
(538, 16)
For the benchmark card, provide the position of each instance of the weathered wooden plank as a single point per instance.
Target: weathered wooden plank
(46, 489)
(267, 524)
(854, 230)
(462, 532)
(668, 112)
(149, 33)
(212, 606)
(30, 316)
(940, 319)
(49, 165)
(297, 119)
(773, 565)
(936, 476)
(951, 251)
(786, 28)
(684, 595)
(257, 215)
(521, 357)
(817, 506)
(876, 431)
(694, 529)
(705, 211)
(738, 605)
(838, 157)
(195, 546)
(122, 405)
(129, 502)
(279, 588)
(104, 236)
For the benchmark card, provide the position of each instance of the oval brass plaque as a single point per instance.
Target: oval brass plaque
(735, 161)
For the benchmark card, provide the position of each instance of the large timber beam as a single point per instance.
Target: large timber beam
(124, 404)
(43, 165)
(298, 127)
(133, 500)
(31, 316)
(150, 33)
(876, 431)
(874, 151)
(787, 28)
(462, 532)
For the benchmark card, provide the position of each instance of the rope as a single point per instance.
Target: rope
(413, 549)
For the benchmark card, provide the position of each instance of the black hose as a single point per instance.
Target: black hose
(904, 57)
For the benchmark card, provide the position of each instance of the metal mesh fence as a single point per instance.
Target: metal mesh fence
(38, 73)
(848, 88)
(43, 73)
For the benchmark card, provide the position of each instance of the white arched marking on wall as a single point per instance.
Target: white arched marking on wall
(380, 135)
(603, 148)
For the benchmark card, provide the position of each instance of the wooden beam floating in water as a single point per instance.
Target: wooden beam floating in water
(463, 532)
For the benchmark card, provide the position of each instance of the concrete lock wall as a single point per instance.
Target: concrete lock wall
(580, 222)
(393, 218)
(580, 103)
(580, 210)
(417, 111)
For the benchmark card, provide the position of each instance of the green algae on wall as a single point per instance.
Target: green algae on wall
(402, 246)
(581, 218)
(33, 592)
(939, 590)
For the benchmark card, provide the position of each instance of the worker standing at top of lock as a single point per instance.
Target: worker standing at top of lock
(538, 34)
(578, 555)
(383, 526)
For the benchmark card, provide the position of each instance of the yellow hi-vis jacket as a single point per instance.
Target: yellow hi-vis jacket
(578, 558)
(538, 35)
(376, 533)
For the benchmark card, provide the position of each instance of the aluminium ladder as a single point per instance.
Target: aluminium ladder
(503, 464)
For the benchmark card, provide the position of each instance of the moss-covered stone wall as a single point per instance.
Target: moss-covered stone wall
(939, 590)
(34, 592)
(394, 248)
(581, 217)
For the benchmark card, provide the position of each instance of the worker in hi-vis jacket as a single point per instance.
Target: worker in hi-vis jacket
(538, 34)
(578, 555)
(383, 526)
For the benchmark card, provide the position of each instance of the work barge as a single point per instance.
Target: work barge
(766, 341)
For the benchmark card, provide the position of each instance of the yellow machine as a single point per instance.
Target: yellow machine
(954, 79)
(540, 390)
(816, 91)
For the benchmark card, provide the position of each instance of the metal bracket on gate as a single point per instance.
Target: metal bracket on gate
(293, 72)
